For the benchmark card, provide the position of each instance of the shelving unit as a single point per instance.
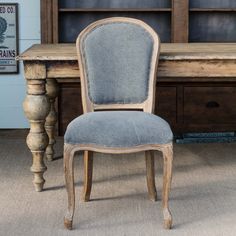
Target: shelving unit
(71, 12)
(176, 21)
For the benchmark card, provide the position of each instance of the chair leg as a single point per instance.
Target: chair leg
(150, 174)
(167, 176)
(69, 179)
(88, 175)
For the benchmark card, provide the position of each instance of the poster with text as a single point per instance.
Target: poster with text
(8, 38)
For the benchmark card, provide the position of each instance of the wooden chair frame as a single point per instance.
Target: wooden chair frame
(147, 106)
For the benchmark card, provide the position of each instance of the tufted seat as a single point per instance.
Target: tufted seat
(118, 129)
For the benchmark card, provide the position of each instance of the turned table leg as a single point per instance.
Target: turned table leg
(36, 107)
(51, 120)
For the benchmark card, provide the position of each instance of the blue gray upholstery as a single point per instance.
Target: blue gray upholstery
(117, 60)
(118, 129)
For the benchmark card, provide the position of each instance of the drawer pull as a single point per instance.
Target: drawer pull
(212, 104)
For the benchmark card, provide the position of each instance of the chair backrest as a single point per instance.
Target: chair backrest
(118, 60)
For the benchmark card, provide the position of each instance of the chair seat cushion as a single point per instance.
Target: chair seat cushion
(118, 129)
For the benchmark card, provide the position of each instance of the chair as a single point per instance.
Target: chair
(118, 60)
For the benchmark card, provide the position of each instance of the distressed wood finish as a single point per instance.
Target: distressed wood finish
(51, 120)
(176, 60)
(46, 21)
(36, 107)
(148, 106)
(181, 65)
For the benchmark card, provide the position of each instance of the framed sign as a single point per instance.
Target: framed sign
(8, 38)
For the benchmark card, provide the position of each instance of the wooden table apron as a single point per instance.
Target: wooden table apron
(45, 65)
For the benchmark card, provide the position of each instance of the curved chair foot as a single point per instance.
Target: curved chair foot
(85, 199)
(68, 223)
(167, 219)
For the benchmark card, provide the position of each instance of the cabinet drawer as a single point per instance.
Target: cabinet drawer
(210, 105)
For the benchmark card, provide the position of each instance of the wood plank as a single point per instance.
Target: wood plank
(114, 4)
(55, 29)
(212, 4)
(212, 9)
(180, 18)
(180, 71)
(115, 9)
(169, 51)
(207, 70)
(63, 70)
(198, 68)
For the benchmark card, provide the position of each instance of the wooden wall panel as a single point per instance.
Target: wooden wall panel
(212, 27)
(212, 3)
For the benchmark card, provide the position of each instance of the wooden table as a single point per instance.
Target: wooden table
(45, 65)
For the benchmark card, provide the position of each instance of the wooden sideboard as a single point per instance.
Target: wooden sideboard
(196, 89)
(192, 99)
(196, 84)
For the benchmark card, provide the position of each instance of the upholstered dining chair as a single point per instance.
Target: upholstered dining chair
(118, 60)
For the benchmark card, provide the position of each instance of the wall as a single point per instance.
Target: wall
(12, 87)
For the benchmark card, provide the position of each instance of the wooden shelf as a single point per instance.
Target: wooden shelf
(115, 10)
(212, 9)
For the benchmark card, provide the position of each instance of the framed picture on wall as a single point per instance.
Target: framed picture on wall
(8, 38)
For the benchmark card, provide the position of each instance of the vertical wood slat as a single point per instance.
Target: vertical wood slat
(180, 21)
(49, 21)
(55, 29)
(46, 21)
(44, 29)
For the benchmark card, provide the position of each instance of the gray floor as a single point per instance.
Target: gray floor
(203, 196)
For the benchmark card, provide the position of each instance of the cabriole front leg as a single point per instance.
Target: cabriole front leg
(51, 120)
(36, 107)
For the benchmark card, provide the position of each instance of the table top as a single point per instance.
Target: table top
(169, 51)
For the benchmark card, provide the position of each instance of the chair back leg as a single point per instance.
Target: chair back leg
(88, 175)
(150, 174)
